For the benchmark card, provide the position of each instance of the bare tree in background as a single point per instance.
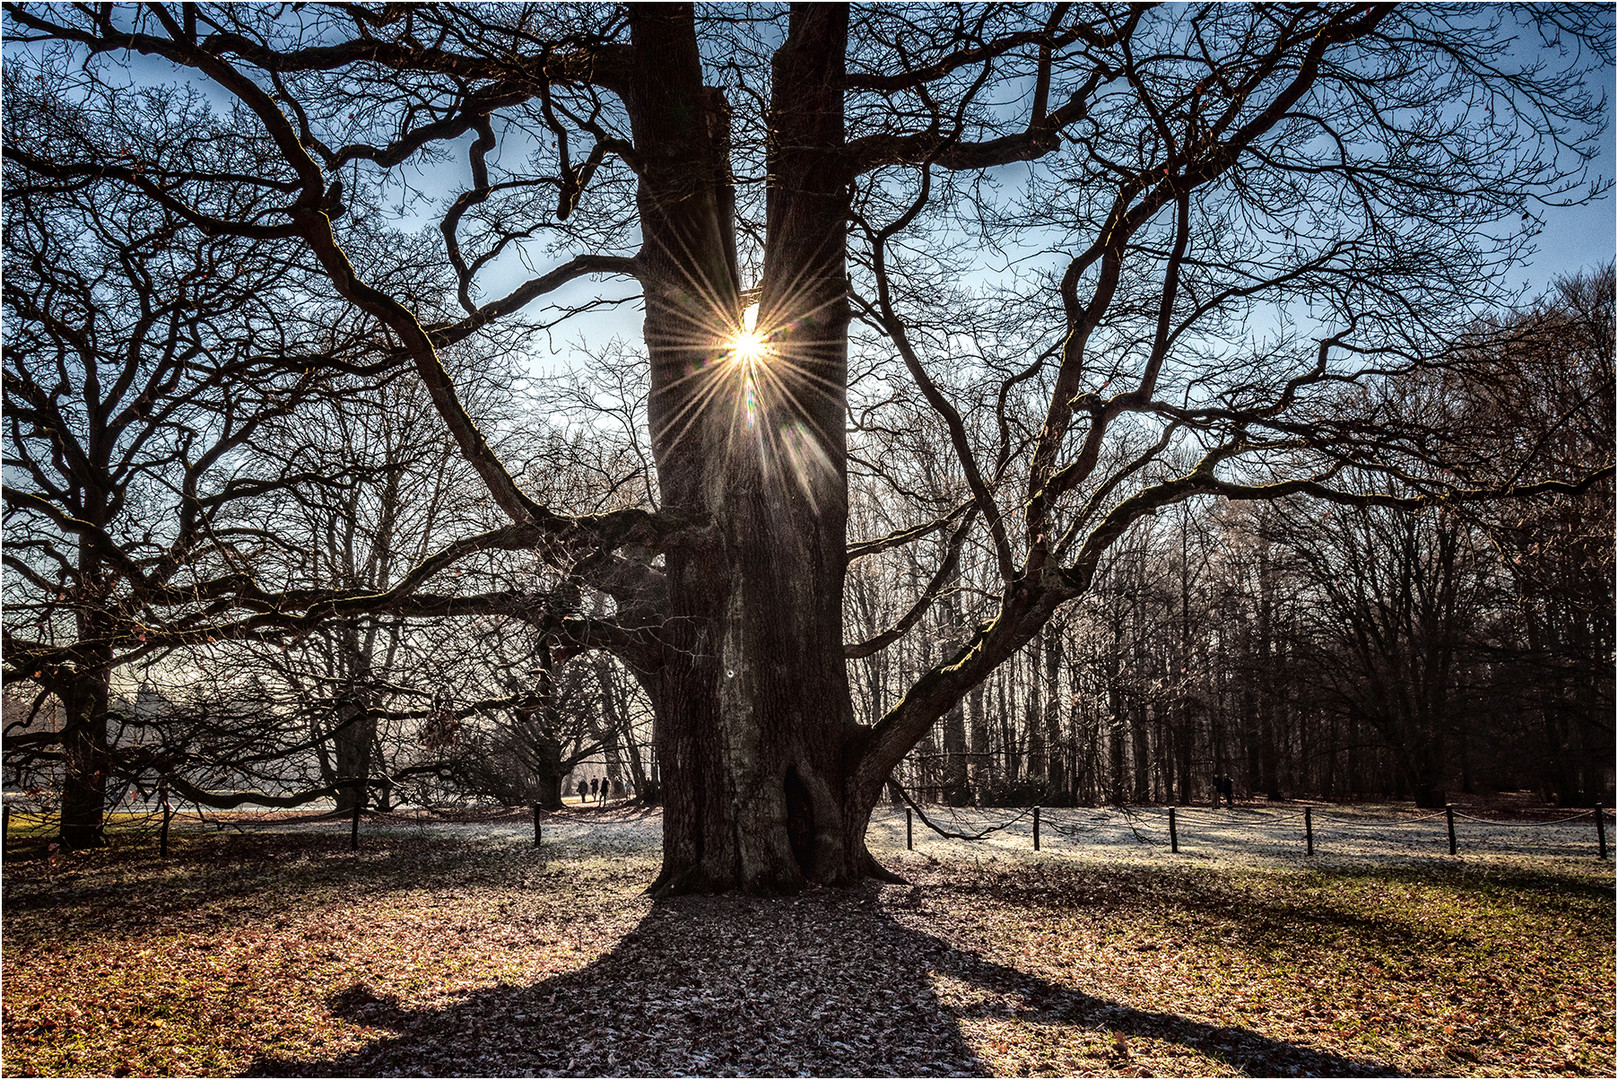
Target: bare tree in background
(144, 365)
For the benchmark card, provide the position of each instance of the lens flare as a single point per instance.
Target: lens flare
(752, 387)
(747, 347)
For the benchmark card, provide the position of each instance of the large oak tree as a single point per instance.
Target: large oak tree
(1118, 258)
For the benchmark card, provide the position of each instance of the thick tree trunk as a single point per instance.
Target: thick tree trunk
(768, 780)
(84, 751)
(351, 745)
(548, 790)
(756, 725)
(85, 758)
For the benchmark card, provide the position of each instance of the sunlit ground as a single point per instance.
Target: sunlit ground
(461, 949)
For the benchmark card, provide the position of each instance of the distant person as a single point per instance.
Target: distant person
(595, 788)
(1230, 793)
(584, 789)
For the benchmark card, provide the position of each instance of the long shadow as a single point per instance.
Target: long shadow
(826, 983)
(1297, 916)
(1033, 1000)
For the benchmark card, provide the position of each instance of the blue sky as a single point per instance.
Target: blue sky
(1573, 237)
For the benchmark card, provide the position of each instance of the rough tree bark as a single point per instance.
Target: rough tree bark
(352, 737)
(84, 750)
(84, 700)
(753, 709)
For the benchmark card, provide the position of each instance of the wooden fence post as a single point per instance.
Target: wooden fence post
(1036, 828)
(536, 824)
(910, 839)
(1308, 831)
(1449, 816)
(1174, 833)
(168, 812)
(5, 825)
(354, 822)
(1601, 830)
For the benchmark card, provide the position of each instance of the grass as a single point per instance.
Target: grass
(289, 955)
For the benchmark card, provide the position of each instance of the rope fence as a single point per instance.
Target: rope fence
(151, 818)
(1308, 830)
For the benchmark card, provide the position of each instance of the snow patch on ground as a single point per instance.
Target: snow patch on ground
(1242, 836)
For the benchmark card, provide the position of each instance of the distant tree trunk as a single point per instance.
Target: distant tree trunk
(1086, 735)
(1010, 758)
(1185, 651)
(1034, 723)
(548, 789)
(1250, 735)
(648, 779)
(1184, 747)
(384, 787)
(1141, 747)
(609, 746)
(1329, 764)
(1117, 775)
(925, 773)
(543, 752)
(1117, 718)
(957, 792)
(1162, 752)
(978, 725)
(1425, 765)
(617, 709)
(1268, 722)
(1056, 761)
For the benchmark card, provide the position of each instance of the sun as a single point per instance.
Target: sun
(747, 345)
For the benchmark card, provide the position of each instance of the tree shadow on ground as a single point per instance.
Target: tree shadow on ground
(1316, 904)
(826, 983)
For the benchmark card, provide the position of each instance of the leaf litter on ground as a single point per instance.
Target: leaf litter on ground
(462, 950)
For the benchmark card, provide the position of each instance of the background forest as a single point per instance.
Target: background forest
(1305, 650)
(1308, 650)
